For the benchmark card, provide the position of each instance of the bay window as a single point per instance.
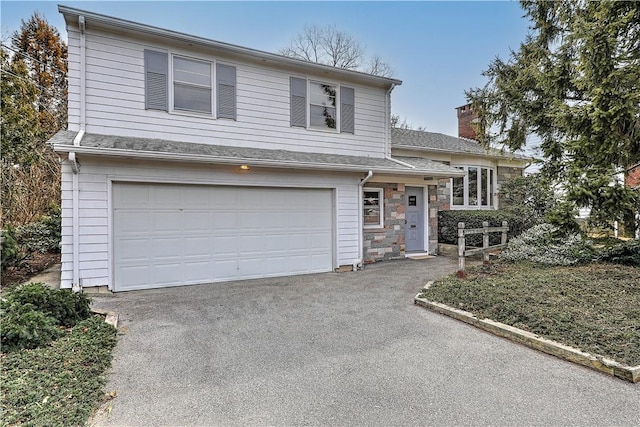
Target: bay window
(474, 190)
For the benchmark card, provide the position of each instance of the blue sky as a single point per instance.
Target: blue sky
(438, 49)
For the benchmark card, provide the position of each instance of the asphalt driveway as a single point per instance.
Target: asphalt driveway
(337, 349)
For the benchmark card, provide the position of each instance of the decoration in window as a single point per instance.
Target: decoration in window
(372, 207)
(322, 104)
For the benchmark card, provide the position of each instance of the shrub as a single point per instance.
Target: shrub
(23, 326)
(66, 307)
(32, 315)
(544, 244)
(626, 253)
(10, 251)
(448, 225)
(41, 236)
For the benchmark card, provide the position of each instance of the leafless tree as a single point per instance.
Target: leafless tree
(330, 46)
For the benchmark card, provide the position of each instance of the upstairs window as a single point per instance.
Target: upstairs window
(191, 85)
(475, 190)
(321, 106)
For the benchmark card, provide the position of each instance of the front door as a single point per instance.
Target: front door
(414, 214)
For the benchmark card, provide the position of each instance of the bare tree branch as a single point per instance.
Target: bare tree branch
(330, 46)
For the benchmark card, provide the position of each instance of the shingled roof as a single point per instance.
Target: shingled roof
(158, 149)
(432, 141)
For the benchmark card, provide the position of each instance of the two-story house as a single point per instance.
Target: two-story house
(189, 161)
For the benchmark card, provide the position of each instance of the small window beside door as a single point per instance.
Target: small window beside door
(373, 207)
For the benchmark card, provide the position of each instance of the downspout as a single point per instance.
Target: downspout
(76, 286)
(358, 264)
(387, 125)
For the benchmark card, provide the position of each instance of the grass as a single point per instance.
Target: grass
(59, 384)
(594, 307)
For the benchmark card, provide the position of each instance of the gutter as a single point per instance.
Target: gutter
(209, 159)
(76, 286)
(358, 263)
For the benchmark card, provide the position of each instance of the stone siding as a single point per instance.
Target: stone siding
(387, 242)
(632, 177)
(506, 174)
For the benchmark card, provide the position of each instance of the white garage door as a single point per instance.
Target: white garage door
(169, 235)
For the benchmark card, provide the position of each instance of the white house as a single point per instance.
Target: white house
(188, 161)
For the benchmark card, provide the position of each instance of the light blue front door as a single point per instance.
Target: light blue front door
(414, 215)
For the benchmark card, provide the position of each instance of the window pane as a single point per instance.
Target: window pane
(473, 186)
(371, 211)
(190, 71)
(323, 117)
(458, 191)
(191, 98)
(490, 187)
(322, 94)
(484, 187)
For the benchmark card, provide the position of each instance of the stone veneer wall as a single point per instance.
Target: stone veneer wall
(439, 200)
(387, 242)
(506, 174)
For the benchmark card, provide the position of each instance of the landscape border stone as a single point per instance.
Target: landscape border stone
(110, 317)
(598, 363)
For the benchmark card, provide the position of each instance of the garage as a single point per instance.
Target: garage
(173, 235)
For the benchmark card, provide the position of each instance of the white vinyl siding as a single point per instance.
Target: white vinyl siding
(96, 178)
(115, 104)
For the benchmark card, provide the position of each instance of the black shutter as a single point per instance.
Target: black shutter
(156, 66)
(298, 88)
(347, 109)
(226, 78)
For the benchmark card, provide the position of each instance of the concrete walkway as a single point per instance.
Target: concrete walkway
(50, 277)
(337, 349)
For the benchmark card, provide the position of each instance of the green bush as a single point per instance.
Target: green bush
(23, 326)
(41, 236)
(10, 250)
(544, 244)
(626, 253)
(448, 225)
(65, 306)
(32, 315)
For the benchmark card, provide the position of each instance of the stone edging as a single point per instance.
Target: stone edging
(110, 317)
(598, 363)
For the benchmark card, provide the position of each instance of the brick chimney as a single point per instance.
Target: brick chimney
(465, 118)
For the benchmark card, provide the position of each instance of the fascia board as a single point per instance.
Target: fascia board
(198, 158)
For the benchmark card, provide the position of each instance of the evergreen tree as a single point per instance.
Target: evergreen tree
(574, 82)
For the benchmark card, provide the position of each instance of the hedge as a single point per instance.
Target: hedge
(448, 225)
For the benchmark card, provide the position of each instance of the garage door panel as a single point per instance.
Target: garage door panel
(133, 249)
(164, 222)
(190, 234)
(197, 246)
(132, 221)
(198, 221)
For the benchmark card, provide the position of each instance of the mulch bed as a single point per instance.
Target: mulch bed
(34, 264)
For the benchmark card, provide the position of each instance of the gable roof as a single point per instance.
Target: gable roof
(71, 16)
(433, 141)
(159, 149)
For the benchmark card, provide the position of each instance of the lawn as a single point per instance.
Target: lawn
(594, 307)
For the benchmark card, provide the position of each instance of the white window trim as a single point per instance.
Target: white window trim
(192, 113)
(380, 191)
(338, 112)
(492, 196)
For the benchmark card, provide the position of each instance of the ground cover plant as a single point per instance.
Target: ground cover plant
(55, 354)
(594, 307)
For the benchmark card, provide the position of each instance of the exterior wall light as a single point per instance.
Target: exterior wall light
(244, 167)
